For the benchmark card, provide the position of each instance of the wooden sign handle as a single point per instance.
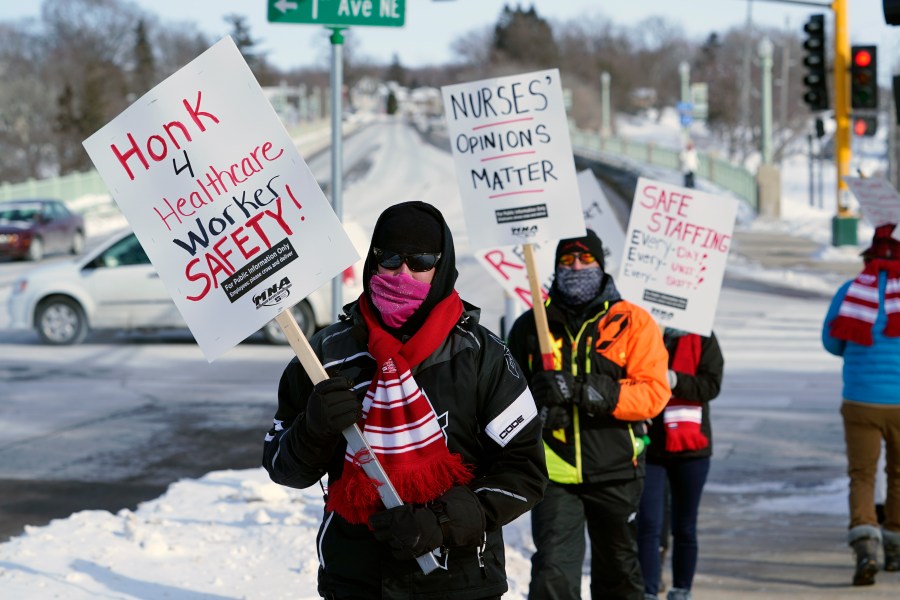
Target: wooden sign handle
(540, 312)
(356, 441)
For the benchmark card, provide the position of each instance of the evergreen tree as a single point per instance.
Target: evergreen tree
(523, 37)
(396, 72)
(392, 104)
(144, 74)
(248, 47)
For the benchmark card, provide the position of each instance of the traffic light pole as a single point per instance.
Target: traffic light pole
(844, 224)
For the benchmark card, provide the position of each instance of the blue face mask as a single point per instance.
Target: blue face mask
(579, 286)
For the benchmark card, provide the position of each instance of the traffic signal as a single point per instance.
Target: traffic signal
(865, 125)
(863, 77)
(816, 95)
(891, 9)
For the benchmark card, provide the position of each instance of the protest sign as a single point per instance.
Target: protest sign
(879, 202)
(510, 142)
(226, 209)
(228, 212)
(676, 248)
(507, 264)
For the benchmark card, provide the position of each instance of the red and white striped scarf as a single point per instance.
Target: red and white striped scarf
(400, 424)
(858, 311)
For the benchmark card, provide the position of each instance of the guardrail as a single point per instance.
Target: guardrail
(732, 177)
(75, 185)
(720, 172)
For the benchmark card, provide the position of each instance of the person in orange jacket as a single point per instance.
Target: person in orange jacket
(609, 375)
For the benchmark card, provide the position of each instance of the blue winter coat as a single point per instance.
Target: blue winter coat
(871, 374)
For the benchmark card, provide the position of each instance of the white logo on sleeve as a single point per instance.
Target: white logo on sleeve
(508, 423)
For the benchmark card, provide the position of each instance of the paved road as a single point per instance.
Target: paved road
(150, 409)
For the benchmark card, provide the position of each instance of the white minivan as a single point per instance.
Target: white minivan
(115, 286)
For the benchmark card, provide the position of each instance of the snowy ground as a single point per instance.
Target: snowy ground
(234, 534)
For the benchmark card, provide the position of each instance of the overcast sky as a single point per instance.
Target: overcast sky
(432, 26)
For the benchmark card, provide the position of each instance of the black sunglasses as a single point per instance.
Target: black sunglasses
(419, 262)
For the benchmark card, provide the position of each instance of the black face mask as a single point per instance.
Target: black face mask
(578, 286)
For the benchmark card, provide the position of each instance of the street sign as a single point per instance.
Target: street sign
(378, 13)
(685, 113)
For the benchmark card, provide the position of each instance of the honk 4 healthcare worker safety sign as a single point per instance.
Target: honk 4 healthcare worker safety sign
(228, 212)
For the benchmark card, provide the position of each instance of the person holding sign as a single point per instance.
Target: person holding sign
(863, 326)
(608, 377)
(679, 453)
(445, 409)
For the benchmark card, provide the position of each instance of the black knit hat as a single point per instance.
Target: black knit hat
(409, 228)
(588, 243)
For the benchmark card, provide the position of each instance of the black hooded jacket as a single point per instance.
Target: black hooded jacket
(488, 415)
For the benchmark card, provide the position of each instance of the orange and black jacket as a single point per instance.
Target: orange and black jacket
(611, 336)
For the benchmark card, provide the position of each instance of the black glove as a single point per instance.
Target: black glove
(555, 417)
(332, 407)
(553, 388)
(454, 519)
(599, 394)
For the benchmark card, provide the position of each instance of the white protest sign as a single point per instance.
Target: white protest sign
(514, 164)
(676, 249)
(878, 201)
(507, 264)
(226, 209)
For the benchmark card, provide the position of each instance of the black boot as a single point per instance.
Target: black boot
(891, 550)
(865, 539)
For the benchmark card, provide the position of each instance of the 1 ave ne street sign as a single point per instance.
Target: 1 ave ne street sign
(379, 13)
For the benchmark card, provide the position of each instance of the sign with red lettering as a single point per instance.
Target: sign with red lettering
(878, 201)
(676, 249)
(507, 264)
(514, 163)
(228, 212)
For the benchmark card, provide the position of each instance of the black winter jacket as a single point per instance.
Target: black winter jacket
(609, 336)
(702, 387)
(488, 414)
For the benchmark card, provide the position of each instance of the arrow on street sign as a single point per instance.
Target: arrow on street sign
(284, 6)
(377, 13)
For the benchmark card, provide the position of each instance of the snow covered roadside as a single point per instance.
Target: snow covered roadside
(229, 534)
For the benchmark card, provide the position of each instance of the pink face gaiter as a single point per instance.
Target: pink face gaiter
(397, 297)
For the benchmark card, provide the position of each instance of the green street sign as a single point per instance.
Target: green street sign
(378, 13)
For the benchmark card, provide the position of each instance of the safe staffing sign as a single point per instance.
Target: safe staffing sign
(514, 163)
(676, 250)
(226, 209)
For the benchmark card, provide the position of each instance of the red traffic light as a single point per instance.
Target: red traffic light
(865, 126)
(862, 58)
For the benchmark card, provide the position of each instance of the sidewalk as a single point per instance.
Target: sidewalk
(787, 263)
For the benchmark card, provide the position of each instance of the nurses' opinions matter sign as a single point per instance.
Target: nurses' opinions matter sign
(228, 212)
(514, 164)
(676, 249)
(507, 264)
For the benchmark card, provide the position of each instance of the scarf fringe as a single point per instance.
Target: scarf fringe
(851, 330)
(355, 496)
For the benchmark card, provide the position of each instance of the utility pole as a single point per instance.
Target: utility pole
(606, 124)
(765, 54)
(745, 89)
(337, 151)
(785, 79)
(768, 176)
